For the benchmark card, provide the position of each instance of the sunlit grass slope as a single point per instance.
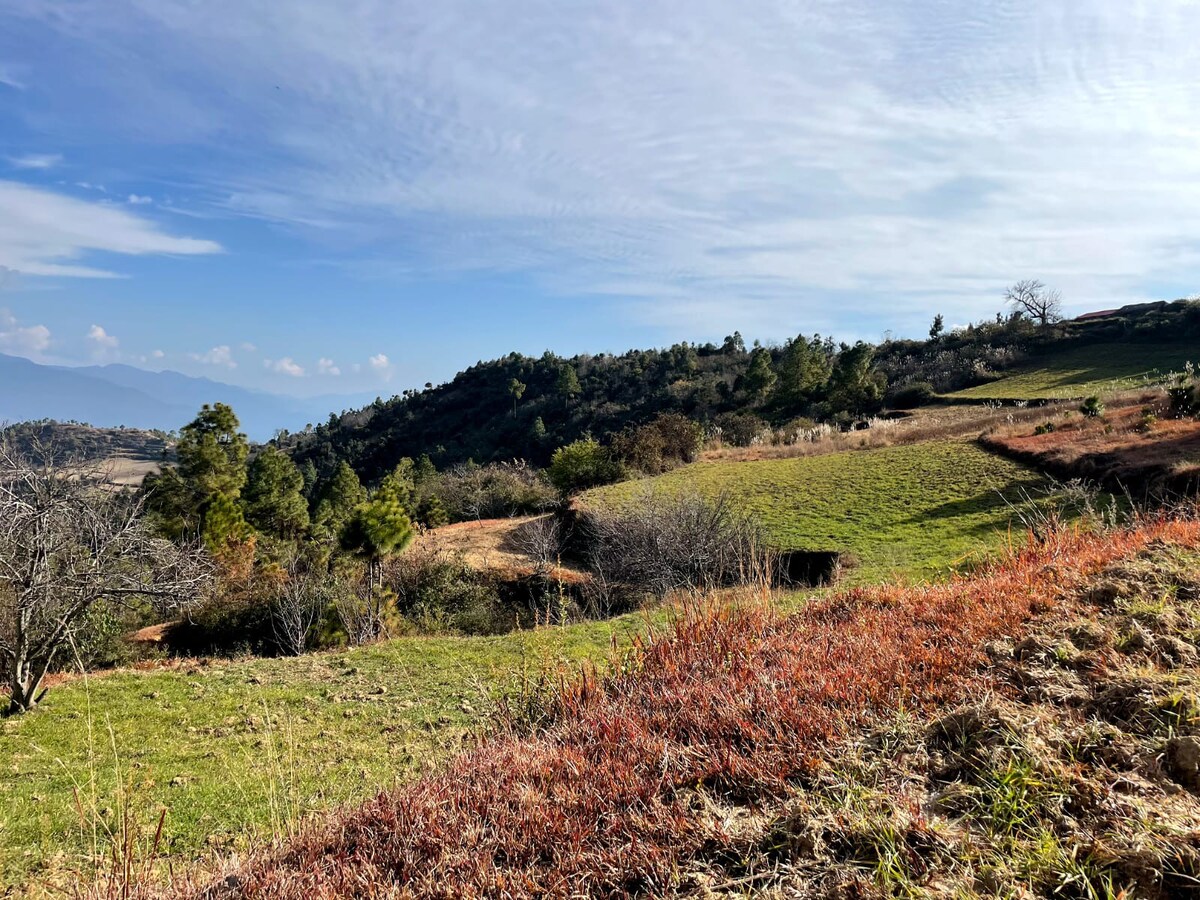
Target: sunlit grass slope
(911, 510)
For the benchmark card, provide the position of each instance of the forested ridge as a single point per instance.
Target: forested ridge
(525, 407)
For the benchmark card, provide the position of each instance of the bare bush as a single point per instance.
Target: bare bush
(296, 610)
(492, 491)
(662, 543)
(541, 541)
(71, 542)
(363, 613)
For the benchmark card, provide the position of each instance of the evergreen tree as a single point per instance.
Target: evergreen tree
(379, 528)
(224, 525)
(424, 470)
(804, 369)
(516, 388)
(854, 385)
(567, 383)
(938, 326)
(273, 500)
(341, 497)
(760, 377)
(212, 453)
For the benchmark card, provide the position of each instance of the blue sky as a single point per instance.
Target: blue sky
(328, 197)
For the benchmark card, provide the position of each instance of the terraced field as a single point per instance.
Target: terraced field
(910, 510)
(1083, 371)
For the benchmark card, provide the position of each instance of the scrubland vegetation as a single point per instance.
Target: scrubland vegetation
(576, 639)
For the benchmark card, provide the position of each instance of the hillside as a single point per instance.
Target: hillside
(906, 510)
(828, 752)
(1094, 368)
(338, 726)
(740, 390)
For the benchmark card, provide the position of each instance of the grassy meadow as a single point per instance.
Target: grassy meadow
(912, 510)
(247, 747)
(1082, 371)
(234, 749)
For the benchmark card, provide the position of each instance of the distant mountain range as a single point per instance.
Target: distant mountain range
(108, 396)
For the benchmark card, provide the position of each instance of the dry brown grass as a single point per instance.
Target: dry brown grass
(1123, 448)
(494, 545)
(927, 424)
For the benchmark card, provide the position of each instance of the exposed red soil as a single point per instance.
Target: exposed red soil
(600, 800)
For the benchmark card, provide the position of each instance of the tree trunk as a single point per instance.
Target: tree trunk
(25, 679)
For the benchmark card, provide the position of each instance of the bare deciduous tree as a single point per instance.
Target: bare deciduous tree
(297, 608)
(362, 613)
(1032, 298)
(541, 540)
(70, 540)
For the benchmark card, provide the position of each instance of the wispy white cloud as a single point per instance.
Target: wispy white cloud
(10, 79)
(327, 367)
(29, 340)
(35, 160)
(139, 200)
(248, 347)
(220, 355)
(43, 232)
(766, 161)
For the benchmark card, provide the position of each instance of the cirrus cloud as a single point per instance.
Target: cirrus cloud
(43, 232)
(770, 161)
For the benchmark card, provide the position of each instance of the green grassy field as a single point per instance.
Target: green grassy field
(234, 749)
(1083, 371)
(909, 510)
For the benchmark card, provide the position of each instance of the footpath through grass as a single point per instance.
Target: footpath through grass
(235, 749)
(911, 510)
(1086, 370)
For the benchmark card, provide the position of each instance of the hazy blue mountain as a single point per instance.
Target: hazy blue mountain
(107, 396)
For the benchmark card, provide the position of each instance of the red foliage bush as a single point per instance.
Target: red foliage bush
(597, 801)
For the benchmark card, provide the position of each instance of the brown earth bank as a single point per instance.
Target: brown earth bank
(1030, 730)
(1131, 448)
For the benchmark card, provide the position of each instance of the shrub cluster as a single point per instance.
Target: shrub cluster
(662, 543)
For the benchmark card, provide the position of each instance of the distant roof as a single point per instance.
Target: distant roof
(1099, 314)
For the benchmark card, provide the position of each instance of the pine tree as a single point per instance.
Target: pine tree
(379, 528)
(804, 369)
(938, 326)
(760, 377)
(516, 387)
(567, 383)
(341, 497)
(273, 499)
(224, 525)
(212, 453)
